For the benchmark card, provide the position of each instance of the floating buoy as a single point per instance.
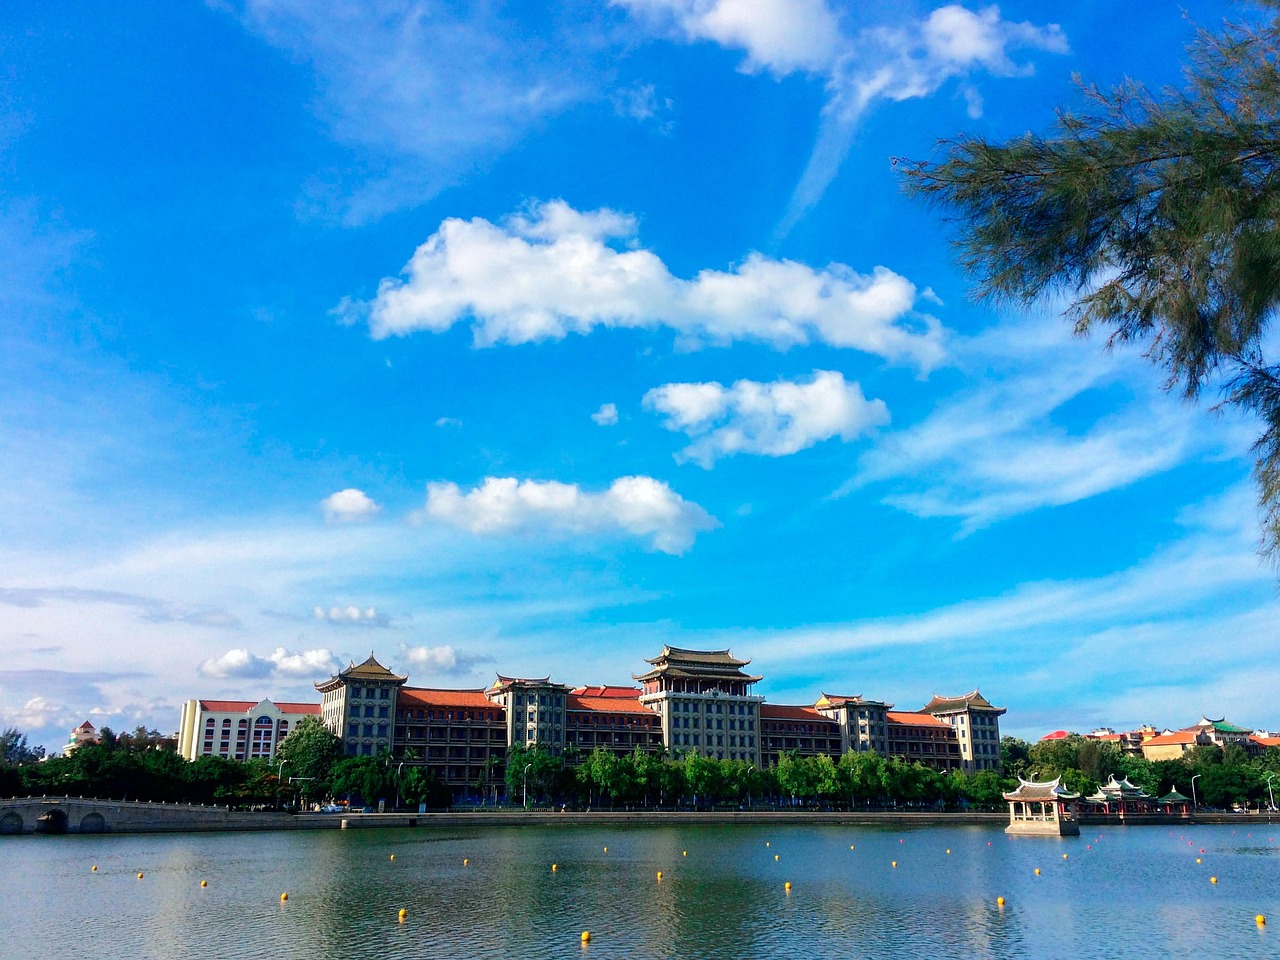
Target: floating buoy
(1213, 879)
(586, 936)
(999, 901)
(684, 853)
(1260, 920)
(204, 883)
(851, 846)
(948, 850)
(1088, 846)
(402, 914)
(775, 856)
(606, 849)
(554, 867)
(283, 896)
(1198, 860)
(787, 886)
(94, 868)
(1202, 849)
(393, 856)
(659, 874)
(139, 876)
(894, 864)
(1064, 856)
(1037, 871)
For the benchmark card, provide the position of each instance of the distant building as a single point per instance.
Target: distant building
(85, 733)
(237, 729)
(1172, 744)
(687, 701)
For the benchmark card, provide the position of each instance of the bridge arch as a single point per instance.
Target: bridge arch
(52, 821)
(93, 823)
(11, 823)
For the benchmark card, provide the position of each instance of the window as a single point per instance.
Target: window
(368, 710)
(368, 729)
(382, 712)
(382, 729)
(384, 693)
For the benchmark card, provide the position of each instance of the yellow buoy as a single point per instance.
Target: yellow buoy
(948, 851)
(393, 856)
(659, 874)
(1064, 856)
(554, 867)
(895, 863)
(204, 883)
(684, 853)
(767, 843)
(402, 914)
(1260, 920)
(775, 856)
(94, 868)
(139, 876)
(787, 885)
(1198, 860)
(999, 901)
(606, 849)
(851, 846)
(466, 861)
(1037, 871)
(1213, 879)
(284, 897)
(586, 936)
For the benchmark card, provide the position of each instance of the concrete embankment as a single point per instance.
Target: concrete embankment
(56, 815)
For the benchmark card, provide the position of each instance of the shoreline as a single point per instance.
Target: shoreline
(76, 815)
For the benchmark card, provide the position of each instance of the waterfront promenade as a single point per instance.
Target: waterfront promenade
(85, 815)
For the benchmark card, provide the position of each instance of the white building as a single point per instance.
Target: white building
(238, 729)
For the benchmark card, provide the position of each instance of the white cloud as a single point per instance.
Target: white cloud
(347, 506)
(773, 419)
(607, 415)
(1002, 448)
(895, 63)
(242, 664)
(552, 272)
(638, 506)
(37, 713)
(782, 36)
(350, 615)
(444, 659)
(450, 423)
(423, 91)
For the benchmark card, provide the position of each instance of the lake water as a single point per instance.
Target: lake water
(1120, 893)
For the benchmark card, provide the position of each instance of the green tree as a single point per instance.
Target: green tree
(15, 749)
(1014, 755)
(543, 771)
(1156, 213)
(308, 754)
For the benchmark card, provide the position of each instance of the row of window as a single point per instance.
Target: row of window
(354, 730)
(733, 709)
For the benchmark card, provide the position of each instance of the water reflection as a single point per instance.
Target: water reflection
(1129, 894)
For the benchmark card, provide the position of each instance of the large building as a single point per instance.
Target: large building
(237, 729)
(689, 700)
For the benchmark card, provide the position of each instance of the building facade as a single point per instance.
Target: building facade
(687, 701)
(237, 729)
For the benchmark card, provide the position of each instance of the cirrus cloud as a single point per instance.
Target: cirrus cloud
(636, 506)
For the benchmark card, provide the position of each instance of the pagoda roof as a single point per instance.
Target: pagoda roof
(1220, 725)
(704, 673)
(714, 658)
(1121, 789)
(370, 670)
(1048, 790)
(973, 700)
(836, 700)
(1173, 796)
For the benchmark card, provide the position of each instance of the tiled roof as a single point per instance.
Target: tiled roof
(972, 699)
(621, 693)
(424, 697)
(606, 704)
(915, 719)
(1056, 735)
(1050, 790)
(719, 658)
(244, 706)
(779, 711)
(371, 669)
(1267, 741)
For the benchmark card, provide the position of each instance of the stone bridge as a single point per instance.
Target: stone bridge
(85, 815)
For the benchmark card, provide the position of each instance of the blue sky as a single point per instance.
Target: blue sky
(492, 339)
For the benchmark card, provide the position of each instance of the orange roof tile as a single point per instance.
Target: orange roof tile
(1265, 741)
(916, 719)
(423, 697)
(244, 706)
(1179, 737)
(606, 704)
(779, 711)
(605, 690)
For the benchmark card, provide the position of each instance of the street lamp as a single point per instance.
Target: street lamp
(1271, 793)
(524, 786)
(1194, 805)
(279, 773)
(399, 767)
(750, 770)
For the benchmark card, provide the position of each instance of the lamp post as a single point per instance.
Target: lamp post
(279, 773)
(399, 767)
(750, 770)
(1270, 792)
(1194, 805)
(524, 786)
